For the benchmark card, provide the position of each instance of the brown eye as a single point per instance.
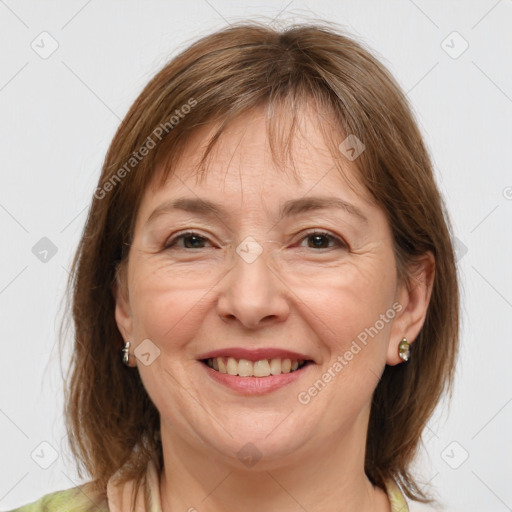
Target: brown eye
(321, 240)
(190, 239)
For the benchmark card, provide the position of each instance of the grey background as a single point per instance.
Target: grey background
(59, 112)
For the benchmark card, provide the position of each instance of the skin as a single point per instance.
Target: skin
(295, 296)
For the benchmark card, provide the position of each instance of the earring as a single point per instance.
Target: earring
(404, 350)
(126, 353)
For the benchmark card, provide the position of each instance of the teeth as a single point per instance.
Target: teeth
(261, 368)
(220, 363)
(275, 366)
(246, 368)
(232, 366)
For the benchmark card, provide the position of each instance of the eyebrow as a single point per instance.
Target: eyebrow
(289, 208)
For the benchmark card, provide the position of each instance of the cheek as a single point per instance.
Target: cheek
(351, 316)
(348, 301)
(164, 309)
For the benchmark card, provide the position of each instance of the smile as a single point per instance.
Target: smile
(261, 368)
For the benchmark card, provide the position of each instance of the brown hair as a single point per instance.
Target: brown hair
(111, 420)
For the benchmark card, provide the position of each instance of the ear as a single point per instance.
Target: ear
(123, 312)
(413, 295)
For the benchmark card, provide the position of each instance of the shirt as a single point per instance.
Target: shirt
(118, 497)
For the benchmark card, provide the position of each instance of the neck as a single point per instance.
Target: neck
(327, 477)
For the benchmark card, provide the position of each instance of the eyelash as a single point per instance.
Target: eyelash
(338, 241)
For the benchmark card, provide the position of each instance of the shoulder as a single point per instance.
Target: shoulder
(77, 499)
(399, 503)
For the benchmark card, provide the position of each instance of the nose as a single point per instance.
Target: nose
(253, 295)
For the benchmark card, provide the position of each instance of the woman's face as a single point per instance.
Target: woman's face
(264, 272)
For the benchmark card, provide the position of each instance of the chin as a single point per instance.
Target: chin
(251, 446)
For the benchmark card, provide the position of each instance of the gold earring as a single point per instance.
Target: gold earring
(126, 353)
(404, 350)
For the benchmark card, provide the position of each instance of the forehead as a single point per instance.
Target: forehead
(242, 161)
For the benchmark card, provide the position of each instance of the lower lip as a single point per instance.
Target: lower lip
(255, 385)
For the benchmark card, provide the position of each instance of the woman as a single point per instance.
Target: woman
(269, 256)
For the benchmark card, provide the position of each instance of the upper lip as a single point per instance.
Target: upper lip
(255, 354)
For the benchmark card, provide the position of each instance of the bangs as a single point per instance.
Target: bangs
(284, 116)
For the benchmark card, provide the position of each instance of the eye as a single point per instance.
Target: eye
(191, 240)
(320, 238)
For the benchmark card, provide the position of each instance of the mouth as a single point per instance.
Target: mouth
(261, 368)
